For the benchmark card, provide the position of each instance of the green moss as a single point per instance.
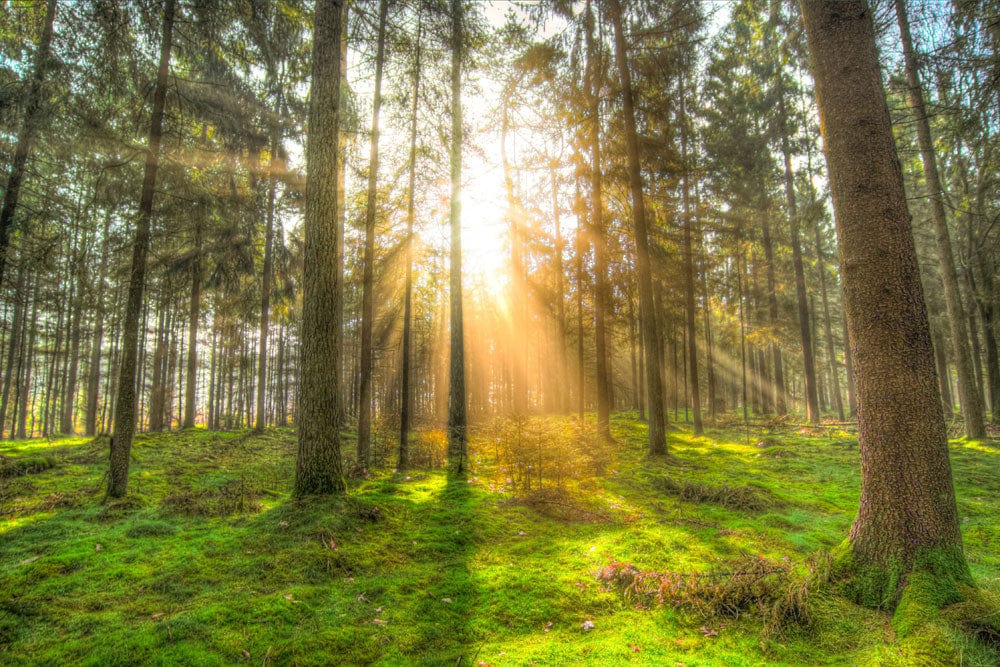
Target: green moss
(455, 572)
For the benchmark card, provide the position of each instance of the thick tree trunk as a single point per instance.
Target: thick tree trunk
(26, 137)
(319, 468)
(647, 310)
(907, 517)
(968, 393)
(457, 418)
(368, 280)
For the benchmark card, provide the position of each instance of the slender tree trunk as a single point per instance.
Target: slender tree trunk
(368, 280)
(194, 319)
(968, 394)
(405, 398)
(808, 360)
(319, 468)
(597, 232)
(457, 436)
(907, 517)
(94, 379)
(13, 342)
(689, 271)
(29, 129)
(647, 310)
(121, 442)
(29, 358)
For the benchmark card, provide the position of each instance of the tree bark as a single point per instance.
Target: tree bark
(689, 271)
(318, 466)
(907, 517)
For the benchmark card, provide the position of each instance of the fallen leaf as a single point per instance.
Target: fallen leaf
(521, 533)
(548, 626)
(446, 600)
(709, 633)
(332, 545)
(378, 621)
(283, 524)
(379, 610)
(288, 596)
(98, 546)
(246, 653)
(30, 560)
(635, 648)
(587, 625)
(157, 616)
(579, 584)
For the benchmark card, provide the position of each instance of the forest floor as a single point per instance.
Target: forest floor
(209, 560)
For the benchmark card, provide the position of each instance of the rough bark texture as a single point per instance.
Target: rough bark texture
(125, 401)
(968, 394)
(907, 517)
(647, 311)
(318, 466)
(457, 420)
(368, 278)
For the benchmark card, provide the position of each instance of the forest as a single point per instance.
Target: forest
(500, 332)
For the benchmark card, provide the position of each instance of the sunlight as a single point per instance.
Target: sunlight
(485, 246)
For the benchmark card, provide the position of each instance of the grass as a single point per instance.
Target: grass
(209, 561)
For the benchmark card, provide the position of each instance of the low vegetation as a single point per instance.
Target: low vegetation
(715, 554)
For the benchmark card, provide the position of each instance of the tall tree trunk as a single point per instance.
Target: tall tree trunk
(777, 390)
(194, 318)
(457, 436)
(318, 467)
(808, 360)
(13, 341)
(29, 129)
(94, 379)
(597, 232)
(561, 361)
(368, 280)
(907, 517)
(29, 358)
(689, 271)
(405, 393)
(968, 395)
(125, 405)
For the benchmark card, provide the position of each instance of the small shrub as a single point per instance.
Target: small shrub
(428, 449)
(746, 497)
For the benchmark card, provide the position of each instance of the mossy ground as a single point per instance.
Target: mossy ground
(209, 560)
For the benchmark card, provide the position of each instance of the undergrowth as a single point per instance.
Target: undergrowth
(209, 560)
